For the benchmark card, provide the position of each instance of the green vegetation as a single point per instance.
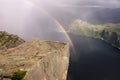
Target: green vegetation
(19, 75)
(108, 32)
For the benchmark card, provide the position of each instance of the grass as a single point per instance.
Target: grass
(19, 75)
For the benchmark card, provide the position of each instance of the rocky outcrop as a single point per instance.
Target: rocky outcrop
(38, 59)
(9, 40)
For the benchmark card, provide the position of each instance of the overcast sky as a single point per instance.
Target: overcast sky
(102, 3)
(21, 16)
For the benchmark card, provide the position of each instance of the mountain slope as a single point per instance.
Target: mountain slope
(108, 32)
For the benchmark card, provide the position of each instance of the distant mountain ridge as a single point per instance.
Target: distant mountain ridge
(107, 32)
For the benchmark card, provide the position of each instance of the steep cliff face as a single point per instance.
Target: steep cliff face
(41, 60)
(9, 40)
(107, 32)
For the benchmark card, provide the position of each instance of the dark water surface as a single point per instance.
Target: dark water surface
(95, 60)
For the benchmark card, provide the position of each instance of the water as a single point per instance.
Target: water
(95, 60)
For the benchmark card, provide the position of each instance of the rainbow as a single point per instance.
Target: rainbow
(55, 20)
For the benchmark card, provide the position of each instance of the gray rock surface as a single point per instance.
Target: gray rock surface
(9, 40)
(43, 60)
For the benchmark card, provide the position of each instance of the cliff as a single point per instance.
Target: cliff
(107, 32)
(35, 60)
(9, 40)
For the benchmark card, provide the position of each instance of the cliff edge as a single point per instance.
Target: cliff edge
(35, 60)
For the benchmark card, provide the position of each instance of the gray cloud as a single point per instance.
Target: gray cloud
(104, 3)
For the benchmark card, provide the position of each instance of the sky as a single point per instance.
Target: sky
(90, 3)
(35, 18)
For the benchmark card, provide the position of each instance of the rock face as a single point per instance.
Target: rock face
(9, 40)
(43, 60)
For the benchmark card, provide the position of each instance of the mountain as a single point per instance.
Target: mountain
(9, 40)
(35, 60)
(107, 32)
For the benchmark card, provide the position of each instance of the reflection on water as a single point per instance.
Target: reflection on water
(96, 60)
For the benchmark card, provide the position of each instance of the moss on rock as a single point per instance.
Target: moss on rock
(19, 75)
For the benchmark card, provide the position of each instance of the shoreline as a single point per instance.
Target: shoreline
(101, 40)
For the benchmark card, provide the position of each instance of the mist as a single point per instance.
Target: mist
(36, 18)
(27, 21)
(93, 59)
